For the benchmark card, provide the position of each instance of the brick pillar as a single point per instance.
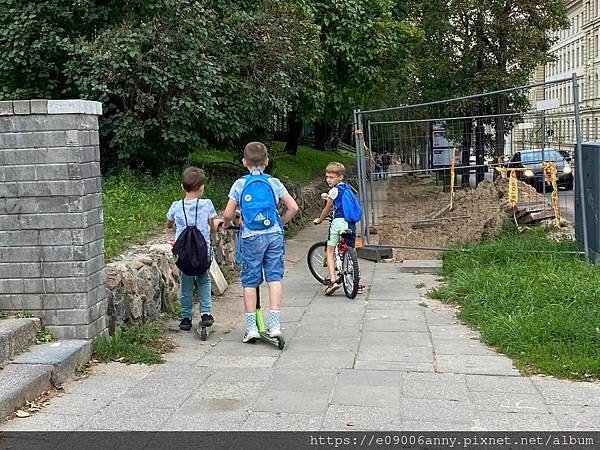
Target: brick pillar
(51, 225)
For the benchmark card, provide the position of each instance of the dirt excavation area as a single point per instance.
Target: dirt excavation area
(415, 212)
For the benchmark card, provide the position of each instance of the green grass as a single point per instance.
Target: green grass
(137, 344)
(307, 165)
(135, 205)
(202, 157)
(542, 310)
(3, 315)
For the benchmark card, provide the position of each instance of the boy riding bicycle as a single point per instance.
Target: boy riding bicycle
(346, 212)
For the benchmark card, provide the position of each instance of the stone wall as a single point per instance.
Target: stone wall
(143, 282)
(51, 224)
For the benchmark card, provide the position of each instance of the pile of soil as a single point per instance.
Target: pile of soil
(416, 214)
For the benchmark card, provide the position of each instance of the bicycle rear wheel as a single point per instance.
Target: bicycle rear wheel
(317, 262)
(351, 275)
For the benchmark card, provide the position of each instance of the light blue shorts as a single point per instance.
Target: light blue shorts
(262, 254)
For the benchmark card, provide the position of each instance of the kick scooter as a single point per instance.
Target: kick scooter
(278, 341)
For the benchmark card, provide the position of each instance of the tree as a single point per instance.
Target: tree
(172, 74)
(477, 46)
(364, 44)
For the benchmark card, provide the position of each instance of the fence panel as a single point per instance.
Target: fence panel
(451, 171)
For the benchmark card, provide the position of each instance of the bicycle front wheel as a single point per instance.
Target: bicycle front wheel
(317, 262)
(351, 274)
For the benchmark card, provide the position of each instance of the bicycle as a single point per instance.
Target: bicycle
(346, 264)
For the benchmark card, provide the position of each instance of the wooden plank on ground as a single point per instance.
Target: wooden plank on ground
(219, 283)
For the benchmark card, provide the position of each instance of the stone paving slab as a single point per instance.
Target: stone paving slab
(434, 386)
(560, 392)
(477, 364)
(395, 353)
(322, 344)
(576, 417)
(267, 421)
(292, 402)
(500, 384)
(397, 338)
(461, 413)
(394, 365)
(421, 266)
(361, 418)
(515, 403)
(501, 421)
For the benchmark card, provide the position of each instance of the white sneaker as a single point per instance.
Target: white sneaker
(274, 332)
(251, 336)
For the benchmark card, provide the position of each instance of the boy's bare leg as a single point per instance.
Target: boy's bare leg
(331, 263)
(275, 295)
(250, 300)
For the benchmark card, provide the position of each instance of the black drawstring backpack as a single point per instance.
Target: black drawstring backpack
(190, 249)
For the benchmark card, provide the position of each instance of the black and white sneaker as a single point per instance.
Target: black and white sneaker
(250, 336)
(185, 324)
(207, 320)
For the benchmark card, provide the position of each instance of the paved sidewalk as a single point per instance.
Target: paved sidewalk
(388, 360)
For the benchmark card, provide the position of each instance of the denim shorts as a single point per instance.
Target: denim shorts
(262, 253)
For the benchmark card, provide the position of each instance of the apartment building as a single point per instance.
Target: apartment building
(577, 50)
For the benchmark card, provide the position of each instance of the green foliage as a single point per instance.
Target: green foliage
(36, 39)
(204, 156)
(135, 344)
(3, 315)
(43, 336)
(308, 163)
(365, 44)
(197, 72)
(540, 309)
(23, 315)
(476, 46)
(172, 75)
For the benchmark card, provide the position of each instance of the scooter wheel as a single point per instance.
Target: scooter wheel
(203, 333)
(280, 342)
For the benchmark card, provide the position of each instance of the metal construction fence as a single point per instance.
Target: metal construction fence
(473, 160)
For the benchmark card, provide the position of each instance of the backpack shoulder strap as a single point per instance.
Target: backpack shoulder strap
(183, 209)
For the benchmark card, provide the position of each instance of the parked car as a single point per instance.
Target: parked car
(565, 155)
(532, 161)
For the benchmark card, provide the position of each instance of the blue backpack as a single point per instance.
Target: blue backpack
(258, 203)
(350, 204)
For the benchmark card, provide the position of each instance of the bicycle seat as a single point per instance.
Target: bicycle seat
(346, 233)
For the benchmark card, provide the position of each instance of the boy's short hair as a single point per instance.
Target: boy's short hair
(255, 154)
(337, 168)
(192, 179)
